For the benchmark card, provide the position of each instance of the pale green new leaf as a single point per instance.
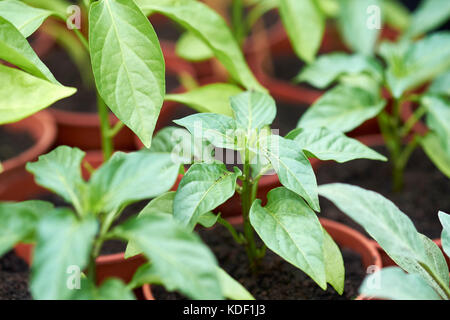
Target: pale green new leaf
(26, 94)
(342, 108)
(15, 49)
(334, 263)
(394, 284)
(19, 222)
(60, 172)
(128, 64)
(131, 177)
(328, 68)
(110, 289)
(214, 98)
(179, 259)
(305, 24)
(292, 166)
(25, 18)
(432, 146)
(325, 144)
(395, 14)
(63, 241)
(428, 16)
(358, 24)
(445, 236)
(209, 26)
(438, 118)
(203, 188)
(253, 110)
(191, 48)
(289, 227)
(59, 6)
(441, 85)
(232, 289)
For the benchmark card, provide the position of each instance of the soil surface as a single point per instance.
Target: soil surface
(426, 189)
(14, 275)
(276, 279)
(13, 143)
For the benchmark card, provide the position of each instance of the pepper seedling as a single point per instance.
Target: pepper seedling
(420, 257)
(288, 224)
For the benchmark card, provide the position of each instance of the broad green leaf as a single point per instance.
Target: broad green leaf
(357, 22)
(209, 26)
(191, 48)
(15, 49)
(329, 7)
(145, 274)
(413, 64)
(334, 263)
(445, 237)
(63, 241)
(60, 172)
(208, 219)
(179, 259)
(428, 16)
(328, 68)
(289, 227)
(342, 108)
(25, 94)
(432, 146)
(305, 24)
(391, 228)
(110, 289)
(438, 118)
(325, 144)
(215, 128)
(292, 166)
(19, 222)
(60, 6)
(213, 98)
(128, 64)
(441, 85)
(258, 9)
(25, 18)
(203, 188)
(395, 14)
(253, 110)
(130, 177)
(394, 284)
(232, 289)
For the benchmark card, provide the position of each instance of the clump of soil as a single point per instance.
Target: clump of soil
(13, 143)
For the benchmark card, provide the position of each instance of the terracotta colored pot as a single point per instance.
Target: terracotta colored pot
(42, 43)
(107, 266)
(344, 236)
(41, 126)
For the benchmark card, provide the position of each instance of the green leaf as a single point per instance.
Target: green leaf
(208, 219)
(215, 128)
(130, 177)
(128, 64)
(334, 263)
(59, 6)
(203, 188)
(292, 166)
(110, 289)
(305, 25)
(62, 241)
(353, 22)
(412, 64)
(210, 27)
(445, 237)
(19, 222)
(432, 146)
(392, 229)
(232, 289)
(60, 172)
(395, 14)
(213, 98)
(438, 118)
(428, 16)
(342, 108)
(325, 144)
(441, 85)
(25, 18)
(292, 230)
(253, 110)
(179, 259)
(327, 68)
(25, 94)
(392, 283)
(191, 48)
(15, 49)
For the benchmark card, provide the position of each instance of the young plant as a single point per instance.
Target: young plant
(359, 97)
(70, 239)
(288, 224)
(420, 257)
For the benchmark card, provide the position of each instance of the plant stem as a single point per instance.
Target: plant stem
(237, 18)
(238, 237)
(107, 142)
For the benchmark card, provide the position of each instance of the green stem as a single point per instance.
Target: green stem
(107, 142)
(407, 127)
(237, 18)
(238, 237)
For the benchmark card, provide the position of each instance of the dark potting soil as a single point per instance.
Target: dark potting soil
(14, 275)
(426, 189)
(288, 115)
(276, 279)
(13, 143)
